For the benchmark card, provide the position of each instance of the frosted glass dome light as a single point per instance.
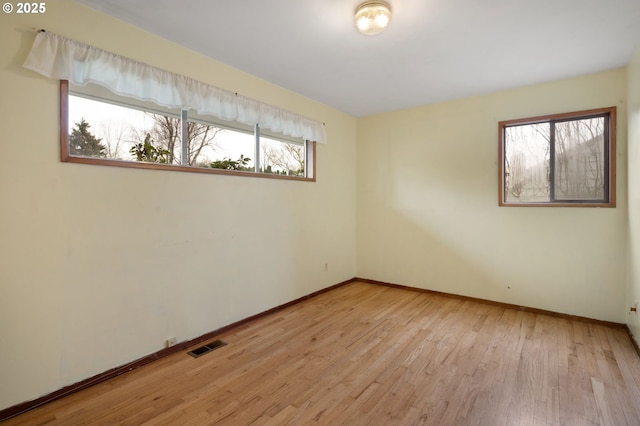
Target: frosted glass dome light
(372, 17)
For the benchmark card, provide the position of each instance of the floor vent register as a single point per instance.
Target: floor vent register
(209, 347)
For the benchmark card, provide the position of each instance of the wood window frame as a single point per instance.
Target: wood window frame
(66, 157)
(610, 157)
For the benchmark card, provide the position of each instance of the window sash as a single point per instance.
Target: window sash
(65, 156)
(608, 200)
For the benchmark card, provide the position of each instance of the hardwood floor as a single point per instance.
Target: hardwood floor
(364, 354)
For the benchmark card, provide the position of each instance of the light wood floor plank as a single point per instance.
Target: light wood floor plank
(364, 354)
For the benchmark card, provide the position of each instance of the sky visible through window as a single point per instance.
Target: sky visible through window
(120, 128)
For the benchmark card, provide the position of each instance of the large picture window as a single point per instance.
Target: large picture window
(558, 160)
(99, 127)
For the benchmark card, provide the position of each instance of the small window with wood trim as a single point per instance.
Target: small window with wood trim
(101, 128)
(558, 160)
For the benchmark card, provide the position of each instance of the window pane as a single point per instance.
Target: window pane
(526, 168)
(104, 130)
(233, 150)
(579, 161)
(281, 157)
(203, 142)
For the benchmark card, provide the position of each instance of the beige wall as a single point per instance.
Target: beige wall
(428, 212)
(633, 274)
(100, 265)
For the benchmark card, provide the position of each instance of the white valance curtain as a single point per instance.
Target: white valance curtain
(60, 58)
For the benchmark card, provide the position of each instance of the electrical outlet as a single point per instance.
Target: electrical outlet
(171, 341)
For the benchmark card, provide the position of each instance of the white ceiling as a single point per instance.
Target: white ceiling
(433, 50)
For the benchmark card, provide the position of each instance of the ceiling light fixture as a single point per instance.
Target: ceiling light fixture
(372, 17)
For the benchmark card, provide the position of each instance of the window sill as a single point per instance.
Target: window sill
(542, 204)
(177, 168)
